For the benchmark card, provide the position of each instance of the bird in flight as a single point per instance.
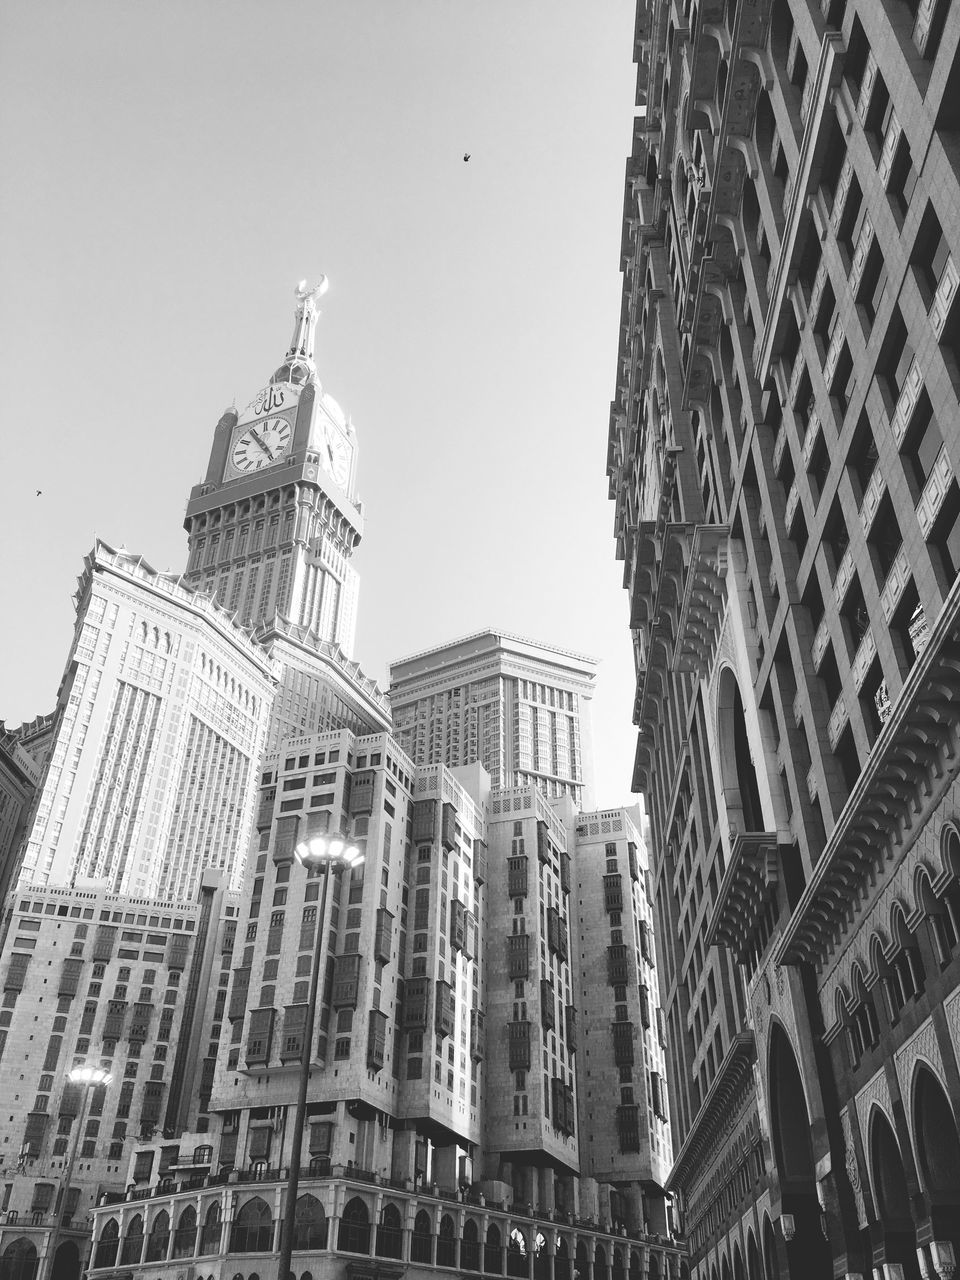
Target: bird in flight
(39, 491)
(466, 156)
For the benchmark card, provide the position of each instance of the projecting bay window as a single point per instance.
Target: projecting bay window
(518, 956)
(294, 1026)
(448, 827)
(517, 885)
(618, 964)
(543, 841)
(628, 1128)
(457, 924)
(518, 1046)
(416, 1003)
(548, 1014)
(424, 821)
(479, 861)
(376, 1039)
(260, 1036)
(612, 892)
(623, 1052)
(384, 936)
(346, 980)
(478, 1040)
(445, 1011)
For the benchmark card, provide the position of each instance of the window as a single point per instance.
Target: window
(930, 254)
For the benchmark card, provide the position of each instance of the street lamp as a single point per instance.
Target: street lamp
(328, 853)
(87, 1078)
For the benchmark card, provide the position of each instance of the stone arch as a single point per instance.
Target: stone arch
(738, 1272)
(185, 1234)
(770, 1266)
(741, 790)
(470, 1246)
(891, 1194)
(66, 1261)
(636, 1269)
(421, 1242)
(936, 1139)
(158, 1238)
(446, 1243)
(212, 1230)
(618, 1270)
(653, 1266)
(600, 1269)
(309, 1223)
(354, 1234)
(390, 1232)
(252, 1227)
(19, 1259)
(518, 1262)
(808, 1252)
(105, 1253)
(754, 1263)
(725, 1268)
(132, 1248)
(582, 1268)
(950, 848)
(493, 1250)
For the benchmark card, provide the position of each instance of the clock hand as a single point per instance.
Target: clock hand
(261, 444)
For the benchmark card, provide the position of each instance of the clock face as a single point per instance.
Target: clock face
(336, 454)
(261, 444)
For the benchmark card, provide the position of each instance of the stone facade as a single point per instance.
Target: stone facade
(783, 455)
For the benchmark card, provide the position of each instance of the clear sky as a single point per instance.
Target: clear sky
(170, 171)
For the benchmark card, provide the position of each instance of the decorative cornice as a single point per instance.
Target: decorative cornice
(750, 878)
(735, 1070)
(704, 598)
(907, 769)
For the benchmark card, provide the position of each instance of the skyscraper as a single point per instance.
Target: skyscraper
(160, 723)
(271, 531)
(519, 707)
(783, 454)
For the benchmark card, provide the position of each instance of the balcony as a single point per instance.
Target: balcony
(623, 1044)
(748, 885)
(612, 892)
(518, 956)
(704, 598)
(346, 980)
(619, 964)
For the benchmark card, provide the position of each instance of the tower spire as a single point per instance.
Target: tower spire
(298, 365)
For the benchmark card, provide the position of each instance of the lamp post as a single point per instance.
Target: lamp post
(329, 853)
(88, 1078)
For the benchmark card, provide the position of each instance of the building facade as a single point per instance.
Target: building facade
(20, 773)
(135, 986)
(625, 1141)
(160, 723)
(271, 531)
(783, 455)
(520, 708)
(441, 1128)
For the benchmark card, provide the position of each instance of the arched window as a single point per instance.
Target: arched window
(470, 1246)
(654, 1267)
(106, 1250)
(583, 1270)
(754, 1265)
(889, 1179)
(132, 1250)
(635, 1272)
(446, 1243)
(770, 1264)
(541, 1258)
(600, 1268)
(185, 1236)
(618, 1270)
(493, 1251)
(561, 1261)
(309, 1224)
(421, 1246)
(389, 1232)
(354, 1228)
(517, 1263)
(19, 1260)
(938, 1144)
(252, 1228)
(159, 1237)
(212, 1230)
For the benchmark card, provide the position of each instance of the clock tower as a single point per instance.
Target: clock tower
(271, 531)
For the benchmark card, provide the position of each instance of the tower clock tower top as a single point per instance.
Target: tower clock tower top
(298, 366)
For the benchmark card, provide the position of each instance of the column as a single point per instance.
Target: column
(548, 1191)
(445, 1172)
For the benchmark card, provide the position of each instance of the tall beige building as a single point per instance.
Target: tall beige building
(520, 708)
(160, 722)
